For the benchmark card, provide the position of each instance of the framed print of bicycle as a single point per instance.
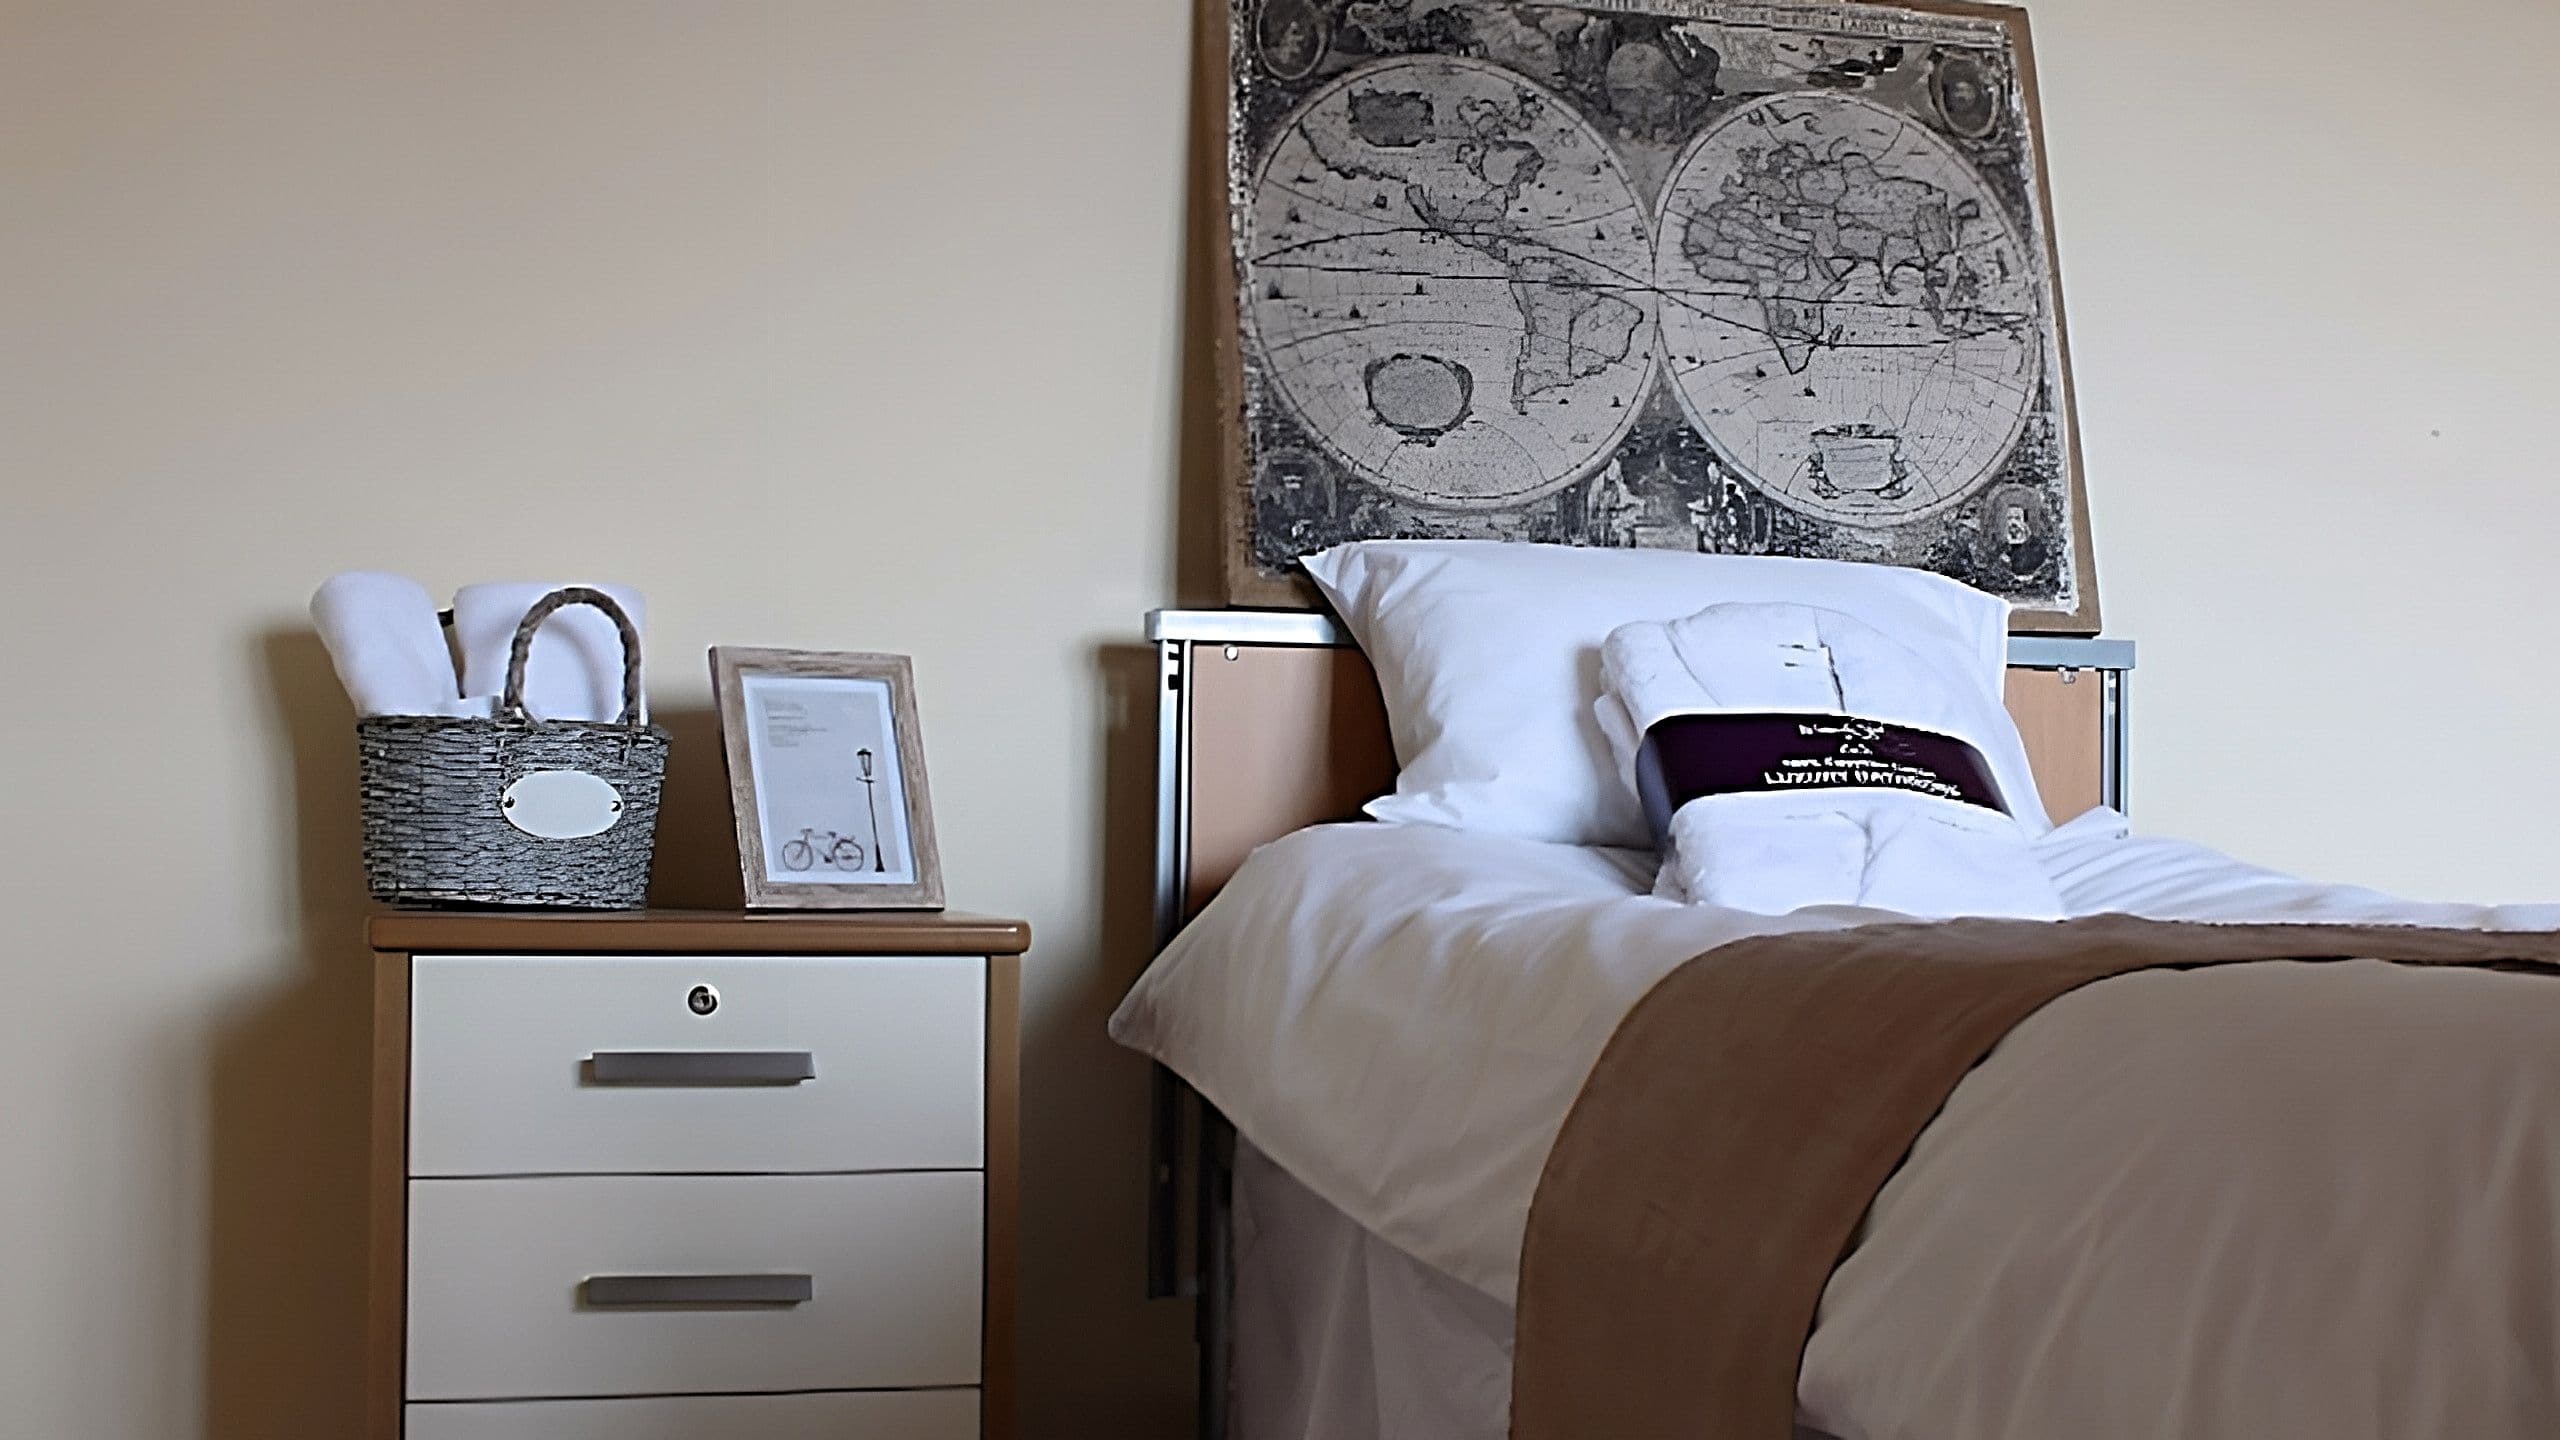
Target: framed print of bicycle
(826, 779)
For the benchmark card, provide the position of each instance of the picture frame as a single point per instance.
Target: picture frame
(827, 783)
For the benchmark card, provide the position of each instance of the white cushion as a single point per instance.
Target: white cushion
(1488, 655)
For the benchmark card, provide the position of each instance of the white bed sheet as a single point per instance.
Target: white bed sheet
(1341, 1336)
(1400, 1015)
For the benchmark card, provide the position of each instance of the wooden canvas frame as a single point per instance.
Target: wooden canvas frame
(1245, 583)
(731, 668)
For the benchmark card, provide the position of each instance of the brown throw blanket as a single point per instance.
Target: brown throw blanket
(1746, 1113)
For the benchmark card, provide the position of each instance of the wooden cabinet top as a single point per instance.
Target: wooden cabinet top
(696, 932)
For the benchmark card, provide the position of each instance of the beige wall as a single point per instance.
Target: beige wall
(856, 325)
(834, 325)
(2307, 252)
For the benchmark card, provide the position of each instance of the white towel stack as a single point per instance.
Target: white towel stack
(390, 650)
(1776, 852)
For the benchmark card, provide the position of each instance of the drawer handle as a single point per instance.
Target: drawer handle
(611, 1290)
(702, 1067)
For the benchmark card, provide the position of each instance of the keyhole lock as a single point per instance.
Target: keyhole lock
(703, 1000)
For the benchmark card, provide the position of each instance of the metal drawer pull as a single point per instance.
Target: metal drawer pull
(699, 1289)
(702, 1067)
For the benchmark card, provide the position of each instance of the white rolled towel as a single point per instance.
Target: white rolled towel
(388, 645)
(574, 671)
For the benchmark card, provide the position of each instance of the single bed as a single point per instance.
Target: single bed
(1270, 721)
(1355, 1252)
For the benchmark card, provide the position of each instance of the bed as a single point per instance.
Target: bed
(1355, 1250)
(1268, 721)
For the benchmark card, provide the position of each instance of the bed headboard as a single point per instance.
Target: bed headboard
(1270, 720)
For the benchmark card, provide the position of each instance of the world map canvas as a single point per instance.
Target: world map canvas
(1765, 278)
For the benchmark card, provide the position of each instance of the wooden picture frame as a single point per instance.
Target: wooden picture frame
(827, 785)
(1282, 493)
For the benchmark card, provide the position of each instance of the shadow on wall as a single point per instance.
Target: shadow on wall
(1094, 1351)
(284, 1091)
(697, 861)
(1104, 1157)
(1202, 452)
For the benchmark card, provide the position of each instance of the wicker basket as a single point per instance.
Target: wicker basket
(510, 811)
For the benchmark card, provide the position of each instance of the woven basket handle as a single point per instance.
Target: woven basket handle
(512, 703)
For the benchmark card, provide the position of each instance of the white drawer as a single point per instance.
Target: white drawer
(500, 1307)
(513, 1064)
(879, 1415)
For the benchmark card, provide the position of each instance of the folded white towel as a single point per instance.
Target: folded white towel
(575, 669)
(1772, 852)
(387, 644)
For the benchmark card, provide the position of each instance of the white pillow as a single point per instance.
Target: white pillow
(1488, 654)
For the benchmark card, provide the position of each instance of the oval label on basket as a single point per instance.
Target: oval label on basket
(561, 804)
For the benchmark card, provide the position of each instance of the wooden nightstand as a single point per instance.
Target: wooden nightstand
(690, 1176)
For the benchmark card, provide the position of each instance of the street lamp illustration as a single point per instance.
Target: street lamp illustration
(870, 804)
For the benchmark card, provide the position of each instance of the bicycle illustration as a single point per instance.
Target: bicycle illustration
(822, 847)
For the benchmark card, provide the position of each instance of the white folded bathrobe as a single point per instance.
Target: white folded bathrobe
(1777, 850)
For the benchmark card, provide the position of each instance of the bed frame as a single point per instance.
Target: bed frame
(1270, 721)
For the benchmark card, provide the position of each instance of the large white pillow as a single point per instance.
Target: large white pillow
(1488, 653)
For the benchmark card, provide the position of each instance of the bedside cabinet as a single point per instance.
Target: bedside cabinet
(676, 1176)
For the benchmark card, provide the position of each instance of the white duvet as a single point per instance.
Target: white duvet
(1400, 1015)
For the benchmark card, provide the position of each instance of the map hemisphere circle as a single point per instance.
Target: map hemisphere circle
(1849, 315)
(1443, 221)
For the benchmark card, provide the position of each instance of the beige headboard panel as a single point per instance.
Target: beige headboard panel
(1282, 727)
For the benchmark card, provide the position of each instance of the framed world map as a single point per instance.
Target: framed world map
(1753, 278)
